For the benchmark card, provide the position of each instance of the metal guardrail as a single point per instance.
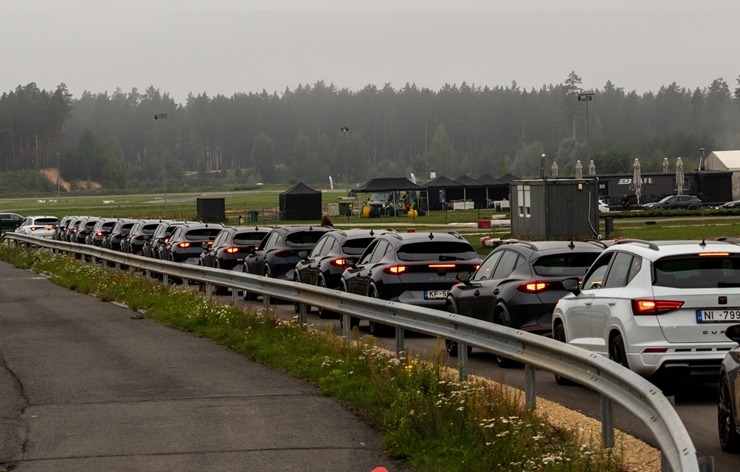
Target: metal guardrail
(614, 382)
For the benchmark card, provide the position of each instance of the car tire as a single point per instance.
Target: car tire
(729, 439)
(502, 318)
(378, 329)
(296, 305)
(693, 207)
(617, 352)
(451, 346)
(558, 334)
(248, 296)
(323, 314)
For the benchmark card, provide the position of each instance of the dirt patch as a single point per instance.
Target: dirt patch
(52, 174)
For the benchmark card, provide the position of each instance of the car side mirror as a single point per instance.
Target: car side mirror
(464, 277)
(572, 285)
(733, 332)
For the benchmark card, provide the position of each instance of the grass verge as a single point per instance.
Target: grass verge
(430, 420)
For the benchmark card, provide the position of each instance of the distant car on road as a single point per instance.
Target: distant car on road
(10, 221)
(732, 204)
(675, 202)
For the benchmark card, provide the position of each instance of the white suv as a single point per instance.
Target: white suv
(39, 226)
(659, 308)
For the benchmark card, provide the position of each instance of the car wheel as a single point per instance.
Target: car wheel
(451, 346)
(502, 318)
(296, 305)
(322, 312)
(559, 335)
(220, 289)
(693, 207)
(248, 296)
(353, 322)
(378, 329)
(617, 352)
(729, 438)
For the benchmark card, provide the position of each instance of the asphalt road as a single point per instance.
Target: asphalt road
(87, 386)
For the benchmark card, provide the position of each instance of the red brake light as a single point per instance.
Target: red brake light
(99, 233)
(396, 270)
(654, 307)
(231, 250)
(713, 254)
(283, 253)
(441, 266)
(533, 287)
(183, 244)
(339, 262)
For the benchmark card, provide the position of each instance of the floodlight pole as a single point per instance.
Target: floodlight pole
(587, 97)
(164, 161)
(344, 130)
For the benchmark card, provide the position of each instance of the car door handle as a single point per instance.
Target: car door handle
(588, 302)
(612, 302)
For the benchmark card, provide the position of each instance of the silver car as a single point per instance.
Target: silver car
(39, 226)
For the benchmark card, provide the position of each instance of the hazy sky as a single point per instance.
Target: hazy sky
(230, 46)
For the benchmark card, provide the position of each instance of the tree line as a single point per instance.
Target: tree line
(144, 140)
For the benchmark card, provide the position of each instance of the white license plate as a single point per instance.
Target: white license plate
(435, 294)
(721, 315)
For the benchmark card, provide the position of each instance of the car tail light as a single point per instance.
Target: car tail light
(442, 266)
(138, 237)
(339, 262)
(654, 307)
(714, 254)
(165, 240)
(99, 233)
(231, 250)
(534, 286)
(395, 269)
(183, 245)
(284, 253)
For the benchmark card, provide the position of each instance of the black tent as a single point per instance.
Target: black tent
(300, 203)
(473, 190)
(442, 190)
(393, 184)
(495, 189)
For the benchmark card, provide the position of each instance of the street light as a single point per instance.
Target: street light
(161, 116)
(344, 130)
(587, 97)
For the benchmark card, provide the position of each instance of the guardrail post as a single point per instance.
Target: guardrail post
(607, 421)
(266, 303)
(165, 279)
(234, 297)
(209, 291)
(399, 340)
(706, 464)
(530, 394)
(462, 361)
(303, 314)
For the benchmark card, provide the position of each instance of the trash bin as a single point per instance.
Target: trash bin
(254, 216)
(345, 208)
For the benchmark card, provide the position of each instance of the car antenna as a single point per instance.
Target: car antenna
(431, 235)
(571, 244)
(703, 242)
(372, 232)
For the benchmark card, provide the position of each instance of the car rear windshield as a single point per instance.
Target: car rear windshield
(355, 247)
(437, 251)
(202, 234)
(46, 221)
(698, 271)
(303, 238)
(566, 264)
(248, 238)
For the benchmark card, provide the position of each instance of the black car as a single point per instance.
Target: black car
(334, 252)
(71, 234)
(85, 228)
(231, 245)
(117, 233)
(101, 229)
(141, 232)
(186, 243)
(675, 202)
(10, 221)
(159, 238)
(414, 268)
(519, 283)
(280, 251)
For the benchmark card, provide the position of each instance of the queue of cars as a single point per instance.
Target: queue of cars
(667, 310)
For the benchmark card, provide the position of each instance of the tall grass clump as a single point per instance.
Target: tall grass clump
(430, 420)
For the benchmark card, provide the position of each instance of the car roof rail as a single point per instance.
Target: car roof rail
(528, 244)
(597, 242)
(649, 244)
